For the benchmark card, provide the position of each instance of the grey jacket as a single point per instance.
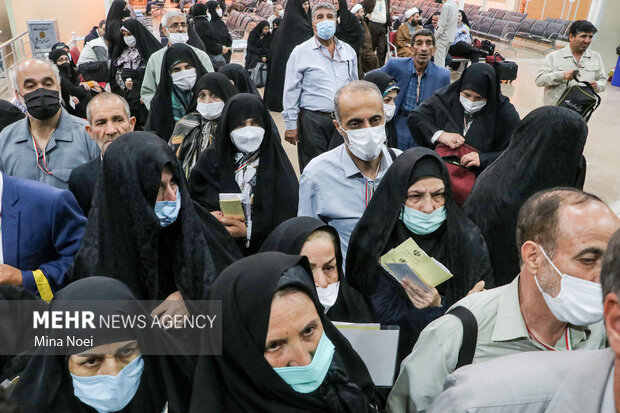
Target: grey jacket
(69, 147)
(536, 382)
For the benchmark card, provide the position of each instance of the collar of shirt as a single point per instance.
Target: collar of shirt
(63, 128)
(567, 53)
(415, 71)
(509, 323)
(318, 45)
(351, 170)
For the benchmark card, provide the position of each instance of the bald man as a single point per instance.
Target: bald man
(47, 144)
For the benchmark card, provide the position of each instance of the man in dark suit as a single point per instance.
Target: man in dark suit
(42, 228)
(418, 78)
(108, 118)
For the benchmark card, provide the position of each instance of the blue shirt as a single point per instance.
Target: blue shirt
(462, 36)
(411, 100)
(313, 77)
(333, 189)
(69, 147)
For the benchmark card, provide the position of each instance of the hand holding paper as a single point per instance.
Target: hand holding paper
(409, 261)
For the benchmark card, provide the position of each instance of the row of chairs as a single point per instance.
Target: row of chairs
(238, 23)
(547, 31)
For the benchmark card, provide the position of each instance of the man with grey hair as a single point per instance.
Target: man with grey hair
(175, 27)
(583, 381)
(314, 71)
(553, 304)
(108, 118)
(47, 144)
(337, 186)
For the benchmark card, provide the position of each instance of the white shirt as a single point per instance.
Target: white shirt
(378, 14)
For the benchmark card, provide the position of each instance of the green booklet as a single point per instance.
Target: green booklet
(408, 260)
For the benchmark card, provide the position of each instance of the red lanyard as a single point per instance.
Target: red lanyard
(417, 98)
(327, 55)
(36, 151)
(567, 337)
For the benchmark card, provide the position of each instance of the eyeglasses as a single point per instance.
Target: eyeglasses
(177, 25)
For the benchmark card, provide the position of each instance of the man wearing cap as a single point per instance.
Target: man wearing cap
(405, 32)
(367, 58)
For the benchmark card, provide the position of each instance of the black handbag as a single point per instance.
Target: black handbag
(581, 98)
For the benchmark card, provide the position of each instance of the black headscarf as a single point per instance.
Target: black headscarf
(161, 117)
(66, 70)
(219, 29)
(240, 77)
(242, 379)
(9, 113)
(289, 237)
(124, 239)
(458, 244)
(216, 83)
(199, 9)
(276, 22)
(295, 28)
(258, 46)
(492, 126)
(118, 11)
(146, 43)
(276, 192)
(46, 384)
(545, 151)
(349, 29)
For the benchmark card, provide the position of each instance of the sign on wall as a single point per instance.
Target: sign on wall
(43, 34)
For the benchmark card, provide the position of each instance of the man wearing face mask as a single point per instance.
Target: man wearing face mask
(418, 79)
(584, 381)
(47, 144)
(315, 70)
(554, 304)
(278, 12)
(337, 186)
(175, 27)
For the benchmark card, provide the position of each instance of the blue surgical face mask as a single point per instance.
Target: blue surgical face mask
(109, 393)
(306, 379)
(326, 29)
(167, 211)
(421, 223)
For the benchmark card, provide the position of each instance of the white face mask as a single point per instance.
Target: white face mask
(281, 13)
(328, 295)
(219, 12)
(388, 111)
(579, 303)
(130, 41)
(366, 143)
(210, 111)
(185, 79)
(472, 107)
(178, 37)
(248, 138)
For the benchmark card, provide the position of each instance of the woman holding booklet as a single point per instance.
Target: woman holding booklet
(247, 159)
(414, 202)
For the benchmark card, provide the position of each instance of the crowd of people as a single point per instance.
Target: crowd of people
(140, 142)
